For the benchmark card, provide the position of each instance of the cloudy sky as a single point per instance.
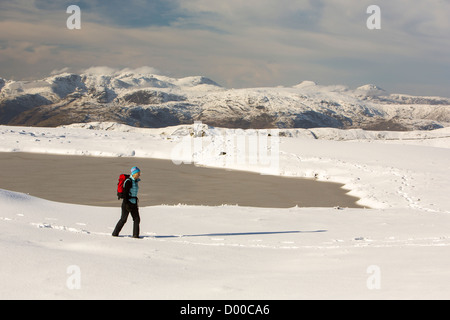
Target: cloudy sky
(237, 43)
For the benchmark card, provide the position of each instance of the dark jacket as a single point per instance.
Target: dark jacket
(130, 190)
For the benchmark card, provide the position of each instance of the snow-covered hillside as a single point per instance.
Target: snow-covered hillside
(396, 250)
(148, 100)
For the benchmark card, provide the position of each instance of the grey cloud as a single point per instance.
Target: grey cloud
(237, 43)
(129, 14)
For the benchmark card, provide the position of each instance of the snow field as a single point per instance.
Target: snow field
(221, 252)
(232, 252)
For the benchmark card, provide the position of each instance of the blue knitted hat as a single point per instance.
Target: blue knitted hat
(135, 170)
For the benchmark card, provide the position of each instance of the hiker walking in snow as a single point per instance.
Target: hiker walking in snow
(130, 202)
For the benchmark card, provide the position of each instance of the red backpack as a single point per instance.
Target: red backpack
(122, 179)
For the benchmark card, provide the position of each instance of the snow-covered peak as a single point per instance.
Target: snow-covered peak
(370, 90)
(123, 81)
(65, 84)
(305, 84)
(138, 80)
(195, 81)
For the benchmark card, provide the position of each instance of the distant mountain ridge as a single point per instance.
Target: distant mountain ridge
(155, 101)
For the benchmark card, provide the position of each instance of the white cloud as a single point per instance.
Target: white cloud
(99, 70)
(59, 71)
(142, 70)
(105, 70)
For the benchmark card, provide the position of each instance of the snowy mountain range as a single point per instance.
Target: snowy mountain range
(148, 100)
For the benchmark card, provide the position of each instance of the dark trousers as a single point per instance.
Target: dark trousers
(128, 208)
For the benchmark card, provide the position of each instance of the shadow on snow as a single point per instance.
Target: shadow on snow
(232, 234)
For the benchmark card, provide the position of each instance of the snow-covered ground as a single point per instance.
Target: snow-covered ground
(399, 248)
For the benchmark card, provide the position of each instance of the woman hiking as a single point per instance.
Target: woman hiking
(130, 203)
